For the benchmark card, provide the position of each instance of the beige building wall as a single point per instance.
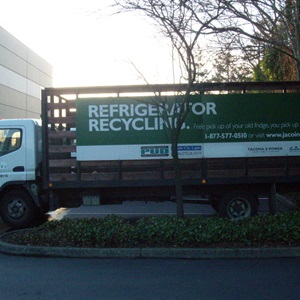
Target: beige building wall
(23, 74)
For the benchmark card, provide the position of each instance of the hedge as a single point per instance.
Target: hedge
(165, 231)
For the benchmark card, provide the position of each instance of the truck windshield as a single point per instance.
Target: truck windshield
(10, 140)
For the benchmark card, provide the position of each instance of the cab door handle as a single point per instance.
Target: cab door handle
(19, 169)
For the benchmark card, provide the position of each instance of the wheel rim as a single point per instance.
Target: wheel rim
(239, 208)
(16, 209)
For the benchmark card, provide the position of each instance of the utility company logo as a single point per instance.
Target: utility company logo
(265, 149)
(155, 151)
(295, 149)
(189, 150)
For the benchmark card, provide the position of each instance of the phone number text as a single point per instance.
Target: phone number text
(226, 135)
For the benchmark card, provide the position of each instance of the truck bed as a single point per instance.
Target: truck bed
(61, 169)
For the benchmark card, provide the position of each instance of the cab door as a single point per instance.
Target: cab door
(12, 154)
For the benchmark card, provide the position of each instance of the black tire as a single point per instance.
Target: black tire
(238, 205)
(17, 209)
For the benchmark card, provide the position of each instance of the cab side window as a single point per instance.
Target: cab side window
(10, 140)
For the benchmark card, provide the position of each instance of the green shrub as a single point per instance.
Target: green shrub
(113, 231)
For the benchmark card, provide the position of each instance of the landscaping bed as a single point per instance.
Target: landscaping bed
(115, 232)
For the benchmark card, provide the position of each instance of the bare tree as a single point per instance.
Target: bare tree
(182, 22)
(272, 23)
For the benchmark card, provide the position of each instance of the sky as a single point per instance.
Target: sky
(87, 44)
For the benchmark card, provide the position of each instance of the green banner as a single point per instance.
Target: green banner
(253, 118)
(212, 119)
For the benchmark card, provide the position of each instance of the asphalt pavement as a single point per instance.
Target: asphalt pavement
(148, 279)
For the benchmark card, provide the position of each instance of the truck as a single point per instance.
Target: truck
(109, 144)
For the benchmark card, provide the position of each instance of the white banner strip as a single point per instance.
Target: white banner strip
(188, 151)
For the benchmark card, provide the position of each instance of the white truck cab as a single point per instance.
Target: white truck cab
(20, 156)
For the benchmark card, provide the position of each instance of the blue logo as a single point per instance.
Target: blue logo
(189, 148)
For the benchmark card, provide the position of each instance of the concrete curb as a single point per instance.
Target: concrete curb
(175, 253)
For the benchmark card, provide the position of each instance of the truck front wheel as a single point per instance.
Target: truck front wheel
(238, 205)
(17, 209)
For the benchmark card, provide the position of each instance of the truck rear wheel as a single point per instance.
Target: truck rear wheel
(238, 205)
(17, 209)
